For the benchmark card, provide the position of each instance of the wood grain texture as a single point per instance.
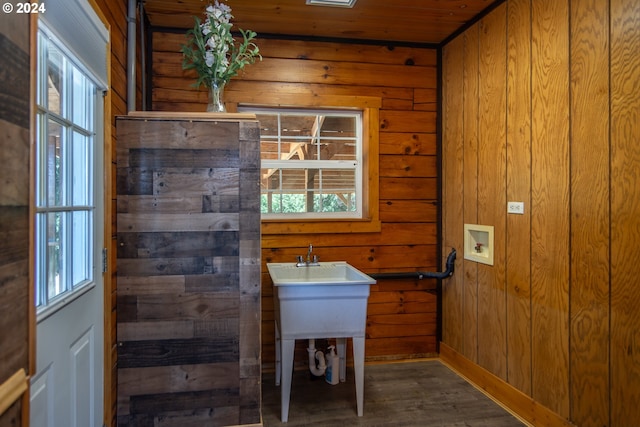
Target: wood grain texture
(428, 21)
(399, 84)
(12, 389)
(398, 55)
(452, 188)
(470, 126)
(625, 211)
(590, 213)
(16, 311)
(408, 143)
(491, 172)
(572, 157)
(15, 82)
(14, 156)
(408, 166)
(14, 415)
(513, 399)
(518, 235)
(550, 204)
(189, 280)
(404, 82)
(113, 15)
(434, 396)
(323, 72)
(408, 211)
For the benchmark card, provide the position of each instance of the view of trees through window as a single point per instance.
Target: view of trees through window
(295, 203)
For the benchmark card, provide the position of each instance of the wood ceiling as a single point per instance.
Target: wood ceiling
(395, 21)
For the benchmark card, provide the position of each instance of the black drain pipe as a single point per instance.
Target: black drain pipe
(451, 258)
(450, 265)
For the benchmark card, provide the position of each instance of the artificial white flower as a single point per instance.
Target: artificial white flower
(212, 51)
(209, 59)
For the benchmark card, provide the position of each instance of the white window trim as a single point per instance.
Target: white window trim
(356, 165)
(370, 106)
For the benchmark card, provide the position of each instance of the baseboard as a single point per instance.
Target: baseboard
(512, 399)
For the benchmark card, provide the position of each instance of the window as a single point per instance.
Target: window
(65, 206)
(367, 108)
(311, 163)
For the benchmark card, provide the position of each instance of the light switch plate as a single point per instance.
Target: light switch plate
(515, 208)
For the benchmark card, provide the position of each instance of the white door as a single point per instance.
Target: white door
(67, 388)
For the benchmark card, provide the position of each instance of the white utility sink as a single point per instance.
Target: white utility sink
(327, 300)
(325, 273)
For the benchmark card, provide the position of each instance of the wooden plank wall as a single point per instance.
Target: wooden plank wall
(554, 123)
(402, 314)
(624, 187)
(188, 271)
(15, 284)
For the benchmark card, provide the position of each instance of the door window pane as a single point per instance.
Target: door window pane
(54, 167)
(80, 153)
(55, 79)
(81, 107)
(65, 168)
(55, 254)
(81, 243)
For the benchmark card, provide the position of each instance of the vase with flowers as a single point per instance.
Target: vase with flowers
(214, 54)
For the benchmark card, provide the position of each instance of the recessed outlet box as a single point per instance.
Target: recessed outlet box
(478, 243)
(515, 208)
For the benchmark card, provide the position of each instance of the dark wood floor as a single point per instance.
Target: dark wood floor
(424, 393)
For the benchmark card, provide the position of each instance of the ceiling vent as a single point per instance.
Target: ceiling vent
(332, 3)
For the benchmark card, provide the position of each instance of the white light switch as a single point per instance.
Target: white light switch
(515, 207)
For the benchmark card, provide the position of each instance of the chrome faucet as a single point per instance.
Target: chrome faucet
(309, 261)
(309, 253)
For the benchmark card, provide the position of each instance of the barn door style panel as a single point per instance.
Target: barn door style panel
(188, 269)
